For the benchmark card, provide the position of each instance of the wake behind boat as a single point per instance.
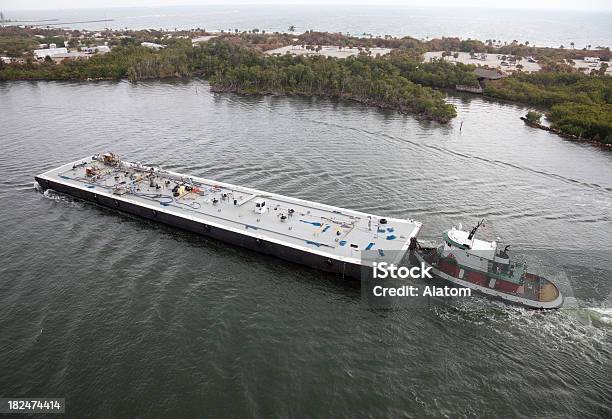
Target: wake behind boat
(482, 266)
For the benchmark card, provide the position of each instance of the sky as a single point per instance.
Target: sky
(515, 4)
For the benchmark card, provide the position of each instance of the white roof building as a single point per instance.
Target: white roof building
(70, 56)
(152, 45)
(202, 39)
(42, 53)
(100, 49)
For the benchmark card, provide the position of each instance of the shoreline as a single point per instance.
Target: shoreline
(404, 110)
(566, 136)
(363, 101)
(389, 73)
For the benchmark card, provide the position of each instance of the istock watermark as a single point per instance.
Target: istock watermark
(395, 279)
(384, 270)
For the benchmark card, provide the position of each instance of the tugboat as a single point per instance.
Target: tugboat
(480, 265)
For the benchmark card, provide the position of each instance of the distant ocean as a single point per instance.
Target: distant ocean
(543, 28)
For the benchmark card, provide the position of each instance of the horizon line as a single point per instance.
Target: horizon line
(319, 2)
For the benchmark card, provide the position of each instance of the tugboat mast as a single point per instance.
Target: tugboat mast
(474, 229)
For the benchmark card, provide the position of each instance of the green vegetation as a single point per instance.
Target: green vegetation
(436, 73)
(579, 104)
(450, 44)
(234, 68)
(16, 41)
(548, 88)
(16, 46)
(13, 43)
(592, 121)
(533, 117)
(364, 79)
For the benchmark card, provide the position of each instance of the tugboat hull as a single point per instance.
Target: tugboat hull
(536, 292)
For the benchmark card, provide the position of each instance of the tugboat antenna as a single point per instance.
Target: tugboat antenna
(473, 232)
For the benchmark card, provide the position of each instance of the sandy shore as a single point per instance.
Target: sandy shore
(490, 60)
(494, 61)
(327, 50)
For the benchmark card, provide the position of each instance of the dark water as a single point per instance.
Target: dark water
(125, 317)
(539, 27)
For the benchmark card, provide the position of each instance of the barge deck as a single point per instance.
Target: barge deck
(318, 235)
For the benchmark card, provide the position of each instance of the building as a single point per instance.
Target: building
(70, 56)
(50, 52)
(483, 74)
(100, 49)
(486, 74)
(152, 45)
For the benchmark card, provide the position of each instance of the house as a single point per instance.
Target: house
(70, 56)
(100, 49)
(487, 74)
(152, 45)
(482, 74)
(42, 53)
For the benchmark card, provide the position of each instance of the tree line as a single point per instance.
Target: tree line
(231, 67)
(579, 104)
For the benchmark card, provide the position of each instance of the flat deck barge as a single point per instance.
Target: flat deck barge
(318, 235)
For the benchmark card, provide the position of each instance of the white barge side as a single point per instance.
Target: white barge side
(318, 235)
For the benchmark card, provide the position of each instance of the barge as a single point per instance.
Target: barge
(321, 236)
